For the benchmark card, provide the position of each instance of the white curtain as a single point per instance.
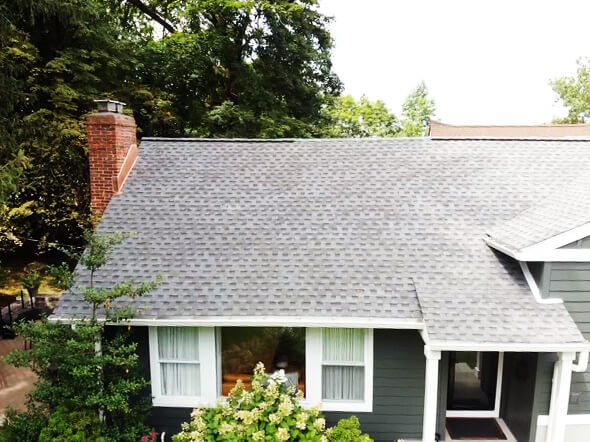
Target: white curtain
(343, 356)
(178, 350)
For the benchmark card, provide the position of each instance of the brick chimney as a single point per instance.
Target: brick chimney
(112, 152)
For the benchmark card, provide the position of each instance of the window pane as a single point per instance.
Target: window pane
(343, 345)
(178, 343)
(343, 383)
(277, 348)
(180, 379)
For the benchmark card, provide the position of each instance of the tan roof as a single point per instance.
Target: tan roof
(442, 130)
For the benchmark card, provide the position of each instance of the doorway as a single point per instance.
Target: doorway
(475, 384)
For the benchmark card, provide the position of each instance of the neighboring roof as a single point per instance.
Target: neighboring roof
(370, 228)
(552, 131)
(559, 211)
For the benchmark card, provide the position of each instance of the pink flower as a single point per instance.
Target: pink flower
(153, 434)
(144, 439)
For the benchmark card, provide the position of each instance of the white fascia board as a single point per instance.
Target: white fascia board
(557, 241)
(499, 247)
(270, 321)
(549, 249)
(509, 347)
(555, 255)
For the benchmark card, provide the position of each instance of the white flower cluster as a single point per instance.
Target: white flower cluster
(268, 412)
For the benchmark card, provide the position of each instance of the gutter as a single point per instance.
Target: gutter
(263, 321)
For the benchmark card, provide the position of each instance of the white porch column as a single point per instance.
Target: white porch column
(430, 394)
(560, 394)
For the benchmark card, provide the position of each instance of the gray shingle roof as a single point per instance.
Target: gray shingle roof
(563, 209)
(373, 228)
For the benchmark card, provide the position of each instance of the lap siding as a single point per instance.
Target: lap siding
(571, 282)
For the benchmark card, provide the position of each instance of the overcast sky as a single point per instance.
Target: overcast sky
(484, 62)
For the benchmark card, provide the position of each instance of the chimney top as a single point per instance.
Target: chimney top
(109, 106)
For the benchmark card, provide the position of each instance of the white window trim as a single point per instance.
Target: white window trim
(208, 372)
(486, 413)
(313, 375)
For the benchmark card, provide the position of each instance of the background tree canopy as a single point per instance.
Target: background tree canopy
(575, 94)
(208, 68)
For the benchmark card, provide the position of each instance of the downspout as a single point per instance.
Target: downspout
(535, 288)
(582, 364)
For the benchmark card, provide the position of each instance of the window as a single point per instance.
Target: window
(193, 366)
(277, 348)
(182, 365)
(178, 354)
(340, 368)
(343, 360)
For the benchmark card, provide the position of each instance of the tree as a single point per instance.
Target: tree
(250, 68)
(78, 380)
(416, 112)
(345, 117)
(574, 92)
(56, 56)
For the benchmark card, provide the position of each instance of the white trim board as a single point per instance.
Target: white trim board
(549, 249)
(269, 321)
(509, 347)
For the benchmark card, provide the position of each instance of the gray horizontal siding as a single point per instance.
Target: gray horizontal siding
(571, 282)
(398, 388)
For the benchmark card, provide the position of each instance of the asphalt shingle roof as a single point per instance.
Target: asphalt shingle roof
(373, 228)
(563, 209)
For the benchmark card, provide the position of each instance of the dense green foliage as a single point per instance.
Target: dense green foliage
(251, 68)
(345, 117)
(416, 113)
(67, 425)
(23, 426)
(574, 92)
(348, 430)
(77, 381)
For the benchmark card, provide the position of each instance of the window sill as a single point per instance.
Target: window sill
(180, 402)
(344, 406)
(197, 402)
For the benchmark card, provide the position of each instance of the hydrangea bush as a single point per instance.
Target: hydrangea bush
(270, 411)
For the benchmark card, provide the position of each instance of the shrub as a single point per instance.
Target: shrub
(73, 426)
(270, 411)
(22, 426)
(348, 430)
(31, 281)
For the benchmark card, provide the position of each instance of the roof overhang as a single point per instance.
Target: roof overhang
(265, 321)
(509, 347)
(549, 249)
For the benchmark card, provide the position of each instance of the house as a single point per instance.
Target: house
(435, 288)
